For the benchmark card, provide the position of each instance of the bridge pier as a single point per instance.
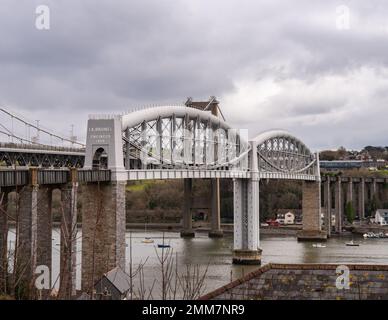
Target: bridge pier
(103, 230)
(3, 241)
(215, 231)
(374, 189)
(328, 205)
(338, 205)
(187, 231)
(35, 235)
(44, 228)
(246, 222)
(27, 233)
(311, 209)
(68, 263)
(361, 198)
(349, 195)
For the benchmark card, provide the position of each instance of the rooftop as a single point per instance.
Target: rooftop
(119, 279)
(306, 282)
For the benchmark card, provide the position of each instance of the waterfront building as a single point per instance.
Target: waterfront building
(381, 217)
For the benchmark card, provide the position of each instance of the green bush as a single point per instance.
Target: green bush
(350, 212)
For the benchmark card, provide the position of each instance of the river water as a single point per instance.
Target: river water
(214, 256)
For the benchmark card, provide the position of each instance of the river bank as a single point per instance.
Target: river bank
(203, 227)
(198, 226)
(369, 228)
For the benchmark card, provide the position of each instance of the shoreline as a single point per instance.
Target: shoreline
(227, 228)
(200, 227)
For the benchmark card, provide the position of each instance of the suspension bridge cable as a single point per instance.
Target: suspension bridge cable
(39, 129)
(17, 137)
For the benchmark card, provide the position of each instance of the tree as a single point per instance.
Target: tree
(372, 205)
(342, 153)
(350, 212)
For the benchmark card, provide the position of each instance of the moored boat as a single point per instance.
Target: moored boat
(373, 235)
(351, 243)
(319, 245)
(162, 245)
(148, 240)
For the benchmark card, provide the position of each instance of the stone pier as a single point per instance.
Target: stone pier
(311, 209)
(187, 231)
(246, 222)
(68, 262)
(35, 235)
(3, 240)
(215, 231)
(44, 228)
(103, 230)
(27, 240)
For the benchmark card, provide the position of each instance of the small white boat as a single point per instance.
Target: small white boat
(319, 245)
(162, 245)
(148, 240)
(352, 244)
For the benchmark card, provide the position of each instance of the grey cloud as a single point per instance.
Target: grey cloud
(107, 56)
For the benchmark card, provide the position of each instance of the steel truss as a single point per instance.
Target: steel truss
(45, 160)
(184, 142)
(279, 152)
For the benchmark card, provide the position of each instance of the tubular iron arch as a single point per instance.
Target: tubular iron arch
(180, 137)
(280, 152)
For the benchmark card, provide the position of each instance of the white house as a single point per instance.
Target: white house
(381, 217)
(286, 218)
(289, 218)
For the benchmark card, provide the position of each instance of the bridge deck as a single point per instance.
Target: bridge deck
(20, 177)
(203, 174)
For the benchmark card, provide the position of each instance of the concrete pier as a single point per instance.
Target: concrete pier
(355, 190)
(349, 194)
(215, 231)
(187, 231)
(338, 205)
(246, 222)
(328, 205)
(361, 198)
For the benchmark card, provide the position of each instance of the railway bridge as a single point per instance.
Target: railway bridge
(166, 142)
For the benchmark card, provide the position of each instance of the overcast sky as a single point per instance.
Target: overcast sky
(272, 64)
